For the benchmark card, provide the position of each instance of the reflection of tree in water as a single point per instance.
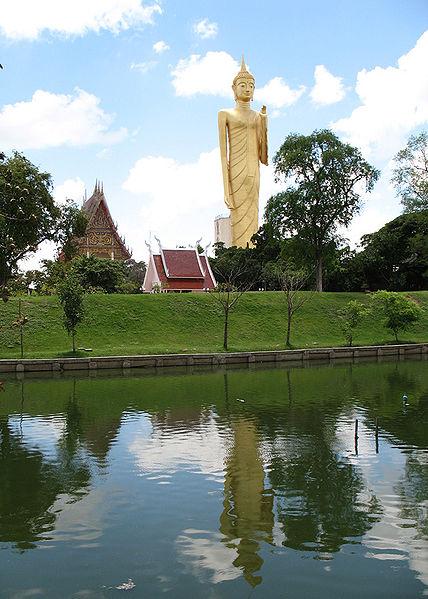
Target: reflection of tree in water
(318, 493)
(413, 491)
(318, 499)
(30, 483)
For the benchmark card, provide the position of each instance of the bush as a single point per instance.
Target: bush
(399, 312)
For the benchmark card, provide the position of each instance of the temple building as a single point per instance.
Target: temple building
(180, 269)
(101, 239)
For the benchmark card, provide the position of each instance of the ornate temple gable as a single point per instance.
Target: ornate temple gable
(102, 239)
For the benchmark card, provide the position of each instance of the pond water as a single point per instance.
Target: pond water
(223, 483)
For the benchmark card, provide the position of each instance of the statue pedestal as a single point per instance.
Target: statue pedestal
(222, 230)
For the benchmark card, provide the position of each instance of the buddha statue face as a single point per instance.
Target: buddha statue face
(243, 89)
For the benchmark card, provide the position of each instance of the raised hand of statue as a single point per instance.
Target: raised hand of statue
(263, 111)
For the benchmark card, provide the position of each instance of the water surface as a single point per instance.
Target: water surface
(236, 483)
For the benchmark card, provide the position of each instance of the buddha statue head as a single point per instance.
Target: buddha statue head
(243, 84)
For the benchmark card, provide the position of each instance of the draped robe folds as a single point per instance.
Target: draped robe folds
(246, 146)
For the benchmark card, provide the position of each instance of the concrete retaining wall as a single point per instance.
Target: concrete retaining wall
(160, 361)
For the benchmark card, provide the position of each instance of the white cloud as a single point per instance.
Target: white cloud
(73, 189)
(190, 194)
(328, 89)
(211, 74)
(160, 47)
(394, 100)
(205, 29)
(277, 93)
(144, 67)
(24, 19)
(51, 120)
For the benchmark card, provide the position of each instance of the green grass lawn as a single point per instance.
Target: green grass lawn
(189, 323)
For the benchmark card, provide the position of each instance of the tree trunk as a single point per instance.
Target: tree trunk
(289, 316)
(226, 323)
(73, 341)
(319, 273)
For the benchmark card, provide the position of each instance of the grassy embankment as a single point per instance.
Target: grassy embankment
(189, 323)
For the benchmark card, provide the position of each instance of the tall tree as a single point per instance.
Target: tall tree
(28, 214)
(325, 178)
(410, 175)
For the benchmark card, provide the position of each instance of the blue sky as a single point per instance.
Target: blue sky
(128, 92)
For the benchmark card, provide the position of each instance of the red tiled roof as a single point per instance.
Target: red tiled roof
(182, 264)
(159, 268)
(179, 259)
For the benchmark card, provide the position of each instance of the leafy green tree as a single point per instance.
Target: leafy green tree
(71, 295)
(53, 273)
(325, 178)
(410, 175)
(99, 274)
(241, 266)
(28, 214)
(398, 311)
(134, 276)
(396, 256)
(72, 225)
(350, 317)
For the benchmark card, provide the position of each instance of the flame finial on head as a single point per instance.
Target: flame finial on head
(244, 73)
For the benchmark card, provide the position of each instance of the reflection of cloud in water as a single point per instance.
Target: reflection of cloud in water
(393, 537)
(206, 556)
(82, 520)
(202, 449)
(38, 432)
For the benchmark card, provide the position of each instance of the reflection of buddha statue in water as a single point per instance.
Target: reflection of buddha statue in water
(243, 144)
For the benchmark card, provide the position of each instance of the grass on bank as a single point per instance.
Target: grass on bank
(189, 323)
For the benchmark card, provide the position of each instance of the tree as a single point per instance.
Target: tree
(72, 225)
(71, 294)
(99, 274)
(325, 177)
(239, 265)
(410, 175)
(291, 282)
(350, 317)
(398, 311)
(28, 214)
(396, 257)
(227, 294)
(134, 276)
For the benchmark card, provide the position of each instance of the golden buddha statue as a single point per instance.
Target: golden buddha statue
(243, 144)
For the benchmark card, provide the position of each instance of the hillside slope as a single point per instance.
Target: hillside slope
(189, 323)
